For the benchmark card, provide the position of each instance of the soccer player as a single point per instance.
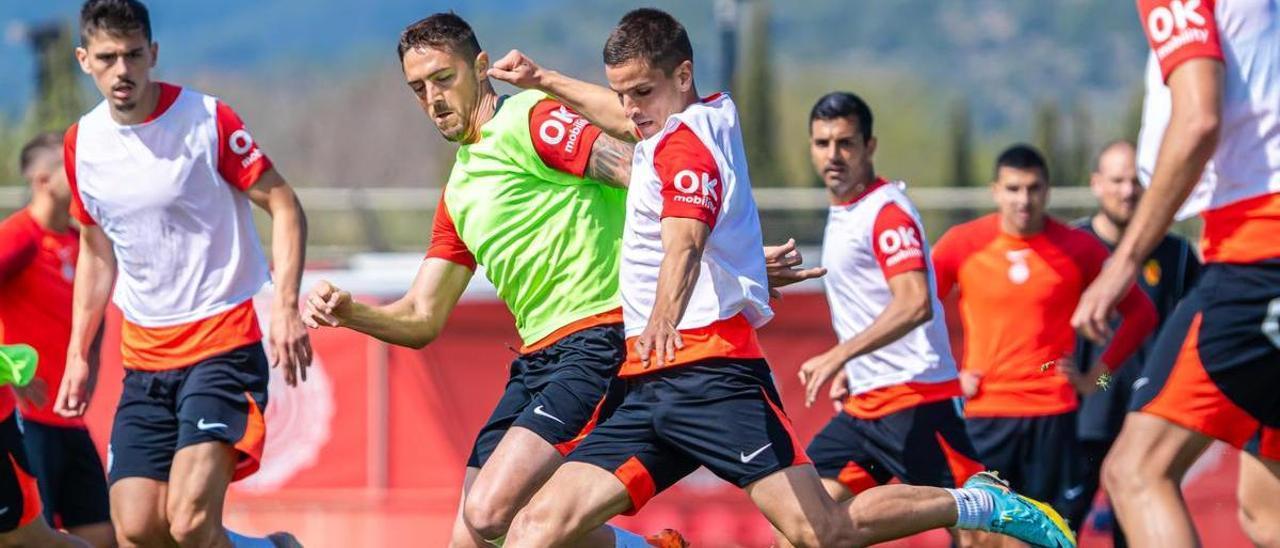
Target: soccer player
(162, 180)
(900, 419)
(1018, 273)
(694, 291)
(536, 197)
(1210, 144)
(38, 250)
(1167, 275)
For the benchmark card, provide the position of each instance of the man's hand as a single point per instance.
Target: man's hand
(839, 390)
(659, 338)
(76, 389)
(816, 371)
(782, 264)
(288, 344)
(517, 69)
(1090, 381)
(970, 383)
(1097, 305)
(34, 395)
(326, 306)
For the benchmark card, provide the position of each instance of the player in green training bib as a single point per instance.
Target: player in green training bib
(537, 198)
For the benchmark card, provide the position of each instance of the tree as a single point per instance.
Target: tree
(961, 145)
(754, 94)
(59, 98)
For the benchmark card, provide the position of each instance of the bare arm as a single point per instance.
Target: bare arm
(684, 241)
(415, 320)
(288, 340)
(598, 104)
(1189, 142)
(95, 274)
(909, 308)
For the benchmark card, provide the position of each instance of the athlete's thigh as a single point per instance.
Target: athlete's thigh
(794, 500)
(199, 479)
(522, 462)
(462, 536)
(839, 453)
(223, 400)
(1239, 340)
(582, 495)
(138, 507)
(1259, 488)
(144, 432)
(1150, 442)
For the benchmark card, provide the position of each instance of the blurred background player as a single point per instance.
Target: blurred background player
(1018, 273)
(1210, 144)
(694, 291)
(22, 523)
(162, 179)
(1167, 275)
(900, 418)
(38, 251)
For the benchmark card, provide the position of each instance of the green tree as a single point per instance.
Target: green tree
(961, 146)
(754, 94)
(59, 97)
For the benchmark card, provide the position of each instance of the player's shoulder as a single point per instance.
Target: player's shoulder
(18, 224)
(975, 233)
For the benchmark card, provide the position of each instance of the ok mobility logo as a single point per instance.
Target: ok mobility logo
(1180, 23)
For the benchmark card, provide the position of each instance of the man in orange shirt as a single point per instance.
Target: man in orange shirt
(38, 248)
(1018, 274)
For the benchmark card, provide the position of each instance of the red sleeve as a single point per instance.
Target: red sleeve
(69, 165)
(1180, 30)
(240, 161)
(947, 257)
(690, 177)
(1139, 321)
(17, 248)
(1088, 253)
(897, 242)
(562, 138)
(445, 242)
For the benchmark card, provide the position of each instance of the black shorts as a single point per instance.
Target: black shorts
(722, 413)
(73, 485)
(219, 399)
(559, 392)
(922, 445)
(1039, 456)
(19, 495)
(1215, 367)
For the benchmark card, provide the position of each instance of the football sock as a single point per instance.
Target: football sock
(973, 507)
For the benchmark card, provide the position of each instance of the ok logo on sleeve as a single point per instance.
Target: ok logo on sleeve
(561, 137)
(897, 242)
(691, 184)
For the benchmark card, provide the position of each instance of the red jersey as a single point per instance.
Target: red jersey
(37, 268)
(1016, 299)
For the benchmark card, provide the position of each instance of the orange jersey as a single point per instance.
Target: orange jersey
(37, 267)
(1016, 297)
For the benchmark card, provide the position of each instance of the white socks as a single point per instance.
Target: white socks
(973, 508)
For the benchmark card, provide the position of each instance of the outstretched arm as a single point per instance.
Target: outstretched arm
(598, 104)
(415, 320)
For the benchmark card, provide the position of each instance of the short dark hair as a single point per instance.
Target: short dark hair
(1021, 156)
(651, 35)
(444, 31)
(42, 143)
(117, 17)
(842, 104)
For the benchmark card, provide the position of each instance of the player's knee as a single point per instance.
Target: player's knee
(139, 526)
(191, 526)
(485, 515)
(1119, 475)
(808, 533)
(539, 523)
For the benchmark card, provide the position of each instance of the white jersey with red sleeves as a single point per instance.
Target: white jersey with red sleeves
(1245, 36)
(168, 192)
(869, 240)
(695, 168)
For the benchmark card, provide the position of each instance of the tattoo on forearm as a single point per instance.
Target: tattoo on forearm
(610, 161)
